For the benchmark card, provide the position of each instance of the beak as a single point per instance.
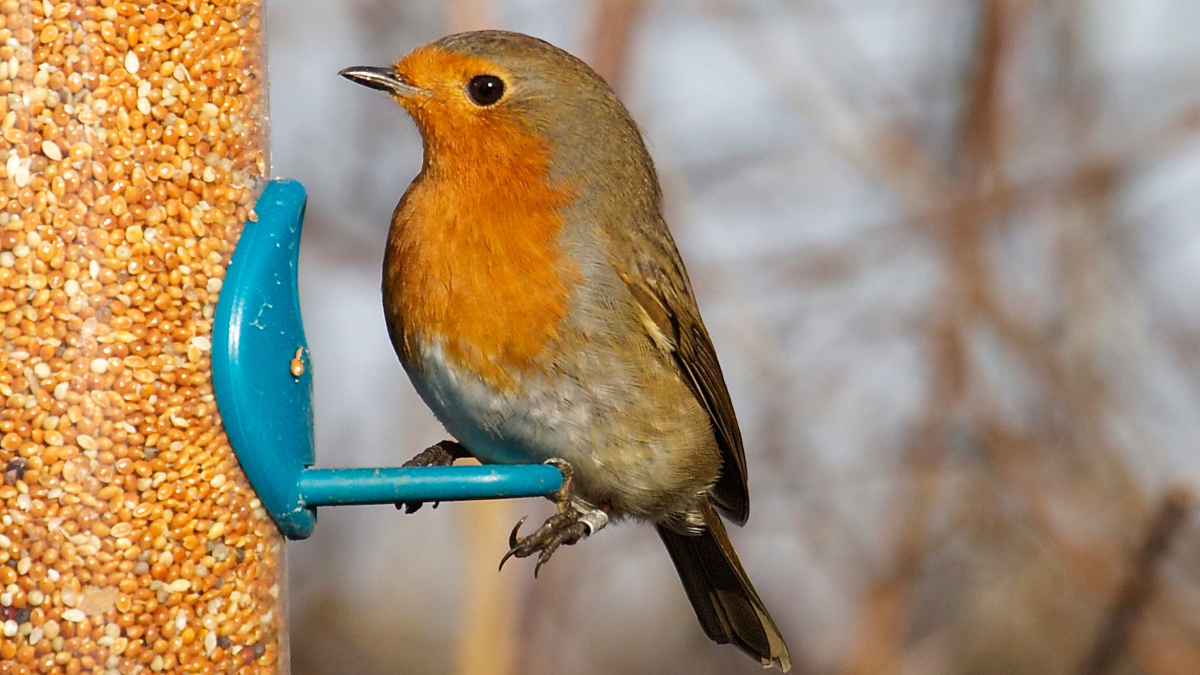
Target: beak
(383, 79)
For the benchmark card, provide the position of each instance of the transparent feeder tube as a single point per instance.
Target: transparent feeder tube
(132, 147)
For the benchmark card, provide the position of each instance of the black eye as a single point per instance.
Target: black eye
(485, 90)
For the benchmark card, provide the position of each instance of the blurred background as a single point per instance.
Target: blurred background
(949, 254)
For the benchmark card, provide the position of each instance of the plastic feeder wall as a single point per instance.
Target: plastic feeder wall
(132, 149)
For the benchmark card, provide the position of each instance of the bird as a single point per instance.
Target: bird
(540, 307)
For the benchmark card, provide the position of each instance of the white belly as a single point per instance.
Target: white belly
(504, 428)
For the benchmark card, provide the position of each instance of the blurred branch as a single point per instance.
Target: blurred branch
(611, 31)
(883, 624)
(883, 615)
(468, 15)
(487, 641)
(891, 157)
(1018, 461)
(1138, 589)
(1163, 646)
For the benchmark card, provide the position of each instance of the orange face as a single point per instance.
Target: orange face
(447, 106)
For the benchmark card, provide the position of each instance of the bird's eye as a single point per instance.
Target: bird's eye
(485, 90)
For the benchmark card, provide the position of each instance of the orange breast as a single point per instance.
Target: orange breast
(472, 256)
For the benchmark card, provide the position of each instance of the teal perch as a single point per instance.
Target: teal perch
(263, 385)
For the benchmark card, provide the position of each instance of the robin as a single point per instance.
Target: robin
(539, 305)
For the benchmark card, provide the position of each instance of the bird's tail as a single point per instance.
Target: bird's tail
(725, 602)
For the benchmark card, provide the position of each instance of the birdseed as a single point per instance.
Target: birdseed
(131, 150)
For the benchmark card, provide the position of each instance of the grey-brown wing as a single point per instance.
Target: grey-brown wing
(669, 304)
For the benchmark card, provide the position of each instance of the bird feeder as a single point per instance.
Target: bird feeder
(263, 385)
(155, 387)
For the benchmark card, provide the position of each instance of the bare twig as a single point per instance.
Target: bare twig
(487, 642)
(1138, 589)
(465, 15)
(609, 43)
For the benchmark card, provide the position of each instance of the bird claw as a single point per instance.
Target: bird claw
(512, 536)
(438, 454)
(571, 523)
(560, 529)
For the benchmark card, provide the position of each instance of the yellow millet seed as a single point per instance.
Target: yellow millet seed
(131, 151)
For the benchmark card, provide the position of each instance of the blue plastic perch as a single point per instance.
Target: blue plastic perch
(263, 384)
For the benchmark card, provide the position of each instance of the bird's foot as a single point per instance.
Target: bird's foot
(440, 454)
(574, 520)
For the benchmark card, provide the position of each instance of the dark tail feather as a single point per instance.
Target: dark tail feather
(725, 602)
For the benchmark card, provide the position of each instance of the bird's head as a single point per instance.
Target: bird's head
(490, 98)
